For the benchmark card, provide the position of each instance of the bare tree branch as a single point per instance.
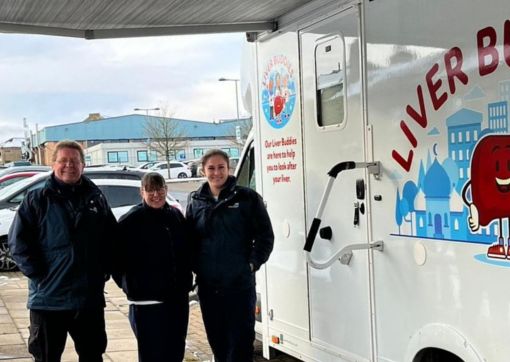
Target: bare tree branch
(165, 135)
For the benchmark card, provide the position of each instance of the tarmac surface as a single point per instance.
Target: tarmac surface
(14, 321)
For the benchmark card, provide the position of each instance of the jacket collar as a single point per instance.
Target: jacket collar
(230, 184)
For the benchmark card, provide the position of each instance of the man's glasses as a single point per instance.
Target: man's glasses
(68, 162)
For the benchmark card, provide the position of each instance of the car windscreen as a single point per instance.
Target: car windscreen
(118, 196)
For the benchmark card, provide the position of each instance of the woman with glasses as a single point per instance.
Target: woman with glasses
(153, 269)
(233, 237)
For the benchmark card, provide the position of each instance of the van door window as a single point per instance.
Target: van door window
(330, 79)
(246, 172)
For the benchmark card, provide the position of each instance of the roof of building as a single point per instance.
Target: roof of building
(15, 142)
(463, 117)
(437, 182)
(132, 127)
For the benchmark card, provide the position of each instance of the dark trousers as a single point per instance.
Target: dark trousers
(48, 334)
(160, 329)
(229, 320)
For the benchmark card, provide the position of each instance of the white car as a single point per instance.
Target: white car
(122, 195)
(177, 169)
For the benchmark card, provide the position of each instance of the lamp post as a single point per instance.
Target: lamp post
(146, 110)
(147, 119)
(237, 97)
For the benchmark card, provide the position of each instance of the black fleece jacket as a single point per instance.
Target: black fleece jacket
(229, 234)
(153, 254)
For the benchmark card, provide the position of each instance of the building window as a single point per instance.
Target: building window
(460, 155)
(456, 224)
(468, 136)
(198, 152)
(475, 135)
(231, 152)
(142, 156)
(421, 222)
(460, 137)
(453, 155)
(452, 137)
(178, 155)
(461, 173)
(117, 157)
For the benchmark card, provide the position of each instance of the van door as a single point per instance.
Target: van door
(333, 127)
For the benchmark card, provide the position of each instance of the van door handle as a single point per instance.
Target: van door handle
(356, 213)
(344, 255)
(373, 168)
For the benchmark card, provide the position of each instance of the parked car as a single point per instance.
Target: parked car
(11, 178)
(36, 168)
(12, 195)
(18, 163)
(121, 194)
(193, 166)
(147, 165)
(177, 169)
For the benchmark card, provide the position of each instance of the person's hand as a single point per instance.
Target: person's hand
(473, 219)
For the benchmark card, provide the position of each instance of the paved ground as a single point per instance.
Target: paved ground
(121, 342)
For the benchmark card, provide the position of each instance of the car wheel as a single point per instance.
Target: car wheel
(182, 175)
(6, 261)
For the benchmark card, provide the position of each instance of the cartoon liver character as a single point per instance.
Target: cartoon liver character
(490, 188)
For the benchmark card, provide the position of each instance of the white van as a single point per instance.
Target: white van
(382, 148)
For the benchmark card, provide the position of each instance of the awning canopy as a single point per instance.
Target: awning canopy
(100, 19)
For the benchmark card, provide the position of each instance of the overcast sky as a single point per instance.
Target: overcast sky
(56, 80)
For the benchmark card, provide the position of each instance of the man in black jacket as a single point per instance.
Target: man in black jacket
(61, 239)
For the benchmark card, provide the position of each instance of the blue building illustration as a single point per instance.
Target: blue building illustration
(437, 205)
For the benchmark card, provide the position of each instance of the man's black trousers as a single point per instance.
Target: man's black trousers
(48, 334)
(229, 320)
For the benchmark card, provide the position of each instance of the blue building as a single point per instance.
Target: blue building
(464, 129)
(125, 139)
(498, 116)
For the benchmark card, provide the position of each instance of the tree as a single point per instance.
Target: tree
(165, 135)
(409, 193)
(398, 215)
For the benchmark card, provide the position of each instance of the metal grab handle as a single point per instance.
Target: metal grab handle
(373, 168)
(344, 254)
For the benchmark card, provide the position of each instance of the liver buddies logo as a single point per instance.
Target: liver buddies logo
(278, 91)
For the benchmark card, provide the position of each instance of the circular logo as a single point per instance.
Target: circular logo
(278, 93)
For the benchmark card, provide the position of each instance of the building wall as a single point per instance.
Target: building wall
(137, 153)
(9, 154)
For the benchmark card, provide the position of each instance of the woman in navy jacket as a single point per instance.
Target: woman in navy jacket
(153, 269)
(233, 237)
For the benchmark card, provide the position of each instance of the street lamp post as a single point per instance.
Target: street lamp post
(146, 110)
(147, 119)
(237, 97)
